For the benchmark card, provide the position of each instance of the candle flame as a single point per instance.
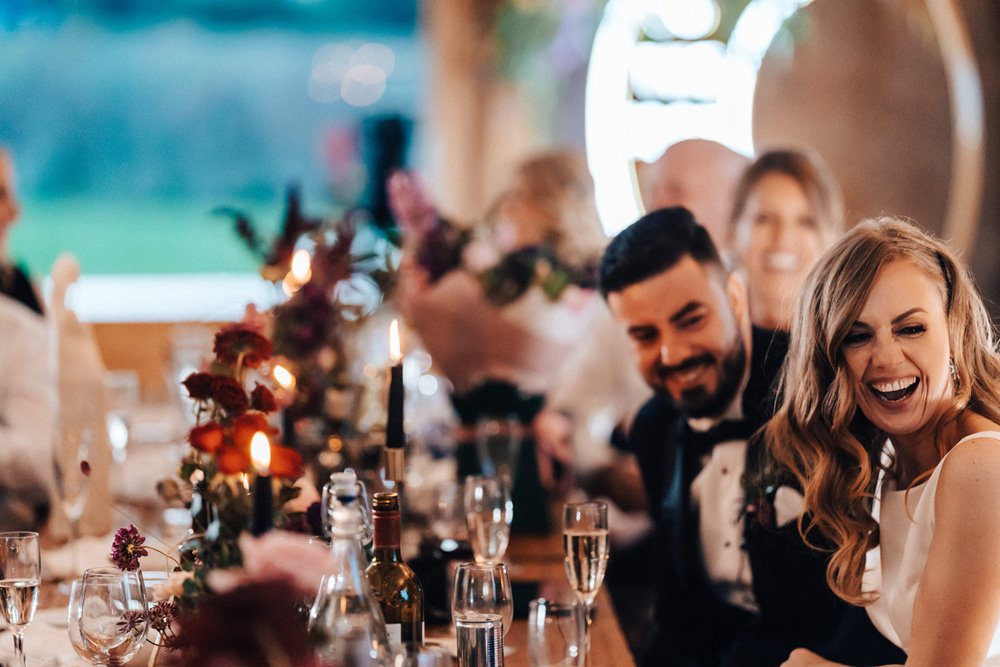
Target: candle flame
(260, 453)
(395, 353)
(301, 266)
(245, 480)
(283, 377)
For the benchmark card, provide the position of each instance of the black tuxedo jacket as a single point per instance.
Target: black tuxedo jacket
(694, 626)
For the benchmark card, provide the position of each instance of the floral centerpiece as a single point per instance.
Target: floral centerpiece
(335, 273)
(233, 401)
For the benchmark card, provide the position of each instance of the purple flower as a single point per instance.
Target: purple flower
(132, 622)
(127, 548)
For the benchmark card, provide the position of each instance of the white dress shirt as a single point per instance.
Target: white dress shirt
(26, 403)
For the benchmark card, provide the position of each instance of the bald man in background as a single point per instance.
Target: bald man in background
(701, 176)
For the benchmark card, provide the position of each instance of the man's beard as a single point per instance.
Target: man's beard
(698, 402)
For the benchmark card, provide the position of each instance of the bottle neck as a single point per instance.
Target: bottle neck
(386, 538)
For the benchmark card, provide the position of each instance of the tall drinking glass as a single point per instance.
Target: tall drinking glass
(488, 512)
(586, 548)
(73, 612)
(483, 589)
(21, 572)
(72, 479)
(113, 614)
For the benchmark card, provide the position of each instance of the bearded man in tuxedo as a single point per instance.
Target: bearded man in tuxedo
(736, 583)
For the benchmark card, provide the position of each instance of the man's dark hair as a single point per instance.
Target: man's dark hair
(653, 244)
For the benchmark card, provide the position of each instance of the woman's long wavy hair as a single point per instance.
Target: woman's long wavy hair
(818, 433)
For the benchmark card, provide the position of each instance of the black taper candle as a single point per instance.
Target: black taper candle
(263, 505)
(395, 437)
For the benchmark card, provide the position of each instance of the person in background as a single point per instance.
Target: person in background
(736, 583)
(700, 175)
(14, 281)
(499, 306)
(27, 418)
(786, 212)
(890, 421)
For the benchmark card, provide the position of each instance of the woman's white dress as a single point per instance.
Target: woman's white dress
(893, 569)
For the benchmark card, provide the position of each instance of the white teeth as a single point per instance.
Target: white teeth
(895, 385)
(781, 261)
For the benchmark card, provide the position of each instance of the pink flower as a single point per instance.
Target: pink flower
(276, 555)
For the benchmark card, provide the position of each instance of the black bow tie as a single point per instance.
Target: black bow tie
(700, 443)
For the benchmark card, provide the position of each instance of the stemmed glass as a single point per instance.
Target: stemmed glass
(498, 445)
(112, 617)
(72, 480)
(488, 512)
(73, 612)
(586, 548)
(21, 572)
(482, 591)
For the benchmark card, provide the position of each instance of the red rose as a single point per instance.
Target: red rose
(286, 462)
(246, 425)
(229, 393)
(199, 386)
(232, 460)
(262, 399)
(237, 340)
(206, 438)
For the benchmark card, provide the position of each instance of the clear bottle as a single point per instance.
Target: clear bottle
(345, 619)
(395, 585)
(345, 489)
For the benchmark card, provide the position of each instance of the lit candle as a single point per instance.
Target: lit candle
(263, 501)
(283, 377)
(301, 266)
(394, 436)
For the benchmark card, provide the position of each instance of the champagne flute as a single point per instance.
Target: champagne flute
(498, 445)
(482, 591)
(488, 512)
(113, 614)
(72, 480)
(21, 572)
(586, 548)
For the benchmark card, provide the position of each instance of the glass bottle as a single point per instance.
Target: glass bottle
(345, 489)
(395, 585)
(345, 619)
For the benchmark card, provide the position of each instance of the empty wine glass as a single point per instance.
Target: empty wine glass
(73, 611)
(72, 472)
(488, 512)
(586, 549)
(21, 572)
(112, 617)
(482, 591)
(123, 398)
(498, 445)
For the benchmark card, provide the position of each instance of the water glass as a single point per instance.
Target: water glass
(488, 513)
(112, 617)
(448, 513)
(21, 572)
(73, 611)
(422, 656)
(556, 633)
(483, 589)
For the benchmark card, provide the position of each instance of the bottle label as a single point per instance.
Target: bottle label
(395, 634)
(386, 530)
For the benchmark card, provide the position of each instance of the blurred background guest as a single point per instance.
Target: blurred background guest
(501, 305)
(14, 281)
(786, 212)
(26, 418)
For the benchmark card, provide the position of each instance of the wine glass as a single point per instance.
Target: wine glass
(112, 618)
(73, 611)
(481, 592)
(586, 548)
(72, 474)
(498, 445)
(21, 572)
(488, 512)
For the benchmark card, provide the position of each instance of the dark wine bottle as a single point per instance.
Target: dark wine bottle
(394, 584)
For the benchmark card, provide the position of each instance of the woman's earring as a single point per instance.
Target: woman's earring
(954, 372)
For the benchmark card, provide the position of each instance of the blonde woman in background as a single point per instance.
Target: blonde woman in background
(499, 306)
(890, 421)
